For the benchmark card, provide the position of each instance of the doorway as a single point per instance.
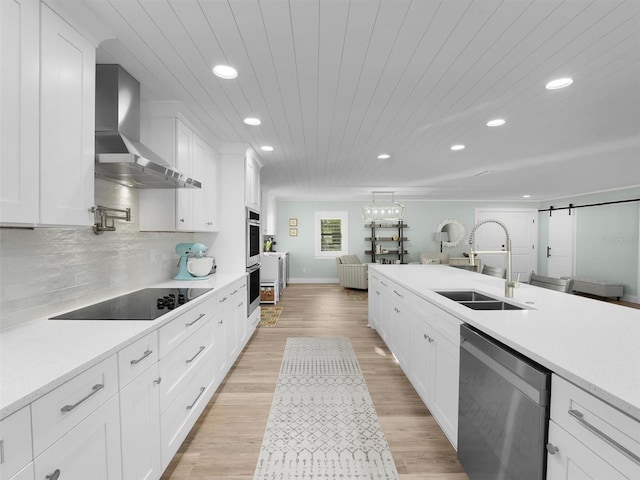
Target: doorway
(523, 230)
(561, 244)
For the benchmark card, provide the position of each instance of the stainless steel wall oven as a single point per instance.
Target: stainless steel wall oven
(253, 259)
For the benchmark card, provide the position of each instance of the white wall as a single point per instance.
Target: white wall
(46, 271)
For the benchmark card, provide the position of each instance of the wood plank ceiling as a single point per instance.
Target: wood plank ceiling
(338, 82)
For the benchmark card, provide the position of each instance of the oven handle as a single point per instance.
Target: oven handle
(253, 268)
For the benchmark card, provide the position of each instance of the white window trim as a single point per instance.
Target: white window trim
(344, 216)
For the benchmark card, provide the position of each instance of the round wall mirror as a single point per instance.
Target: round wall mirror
(455, 232)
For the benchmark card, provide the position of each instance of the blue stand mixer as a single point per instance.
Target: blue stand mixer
(187, 250)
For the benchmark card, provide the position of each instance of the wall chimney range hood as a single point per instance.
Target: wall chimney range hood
(120, 157)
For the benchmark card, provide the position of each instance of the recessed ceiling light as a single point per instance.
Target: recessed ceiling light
(225, 71)
(457, 147)
(498, 122)
(252, 121)
(384, 156)
(559, 83)
(266, 148)
(526, 196)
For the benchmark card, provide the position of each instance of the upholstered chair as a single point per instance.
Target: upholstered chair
(494, 271)
(351, 272)
(551, 283)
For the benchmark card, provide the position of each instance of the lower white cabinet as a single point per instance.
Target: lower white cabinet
(589, 439)
(25, 474)
(425, 341)
(140, 427)
(89, 450)
(180, 416)
(15, 442)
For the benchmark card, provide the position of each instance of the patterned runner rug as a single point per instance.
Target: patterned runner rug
(322, 423)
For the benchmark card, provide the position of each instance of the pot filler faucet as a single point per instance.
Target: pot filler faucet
(509, 285)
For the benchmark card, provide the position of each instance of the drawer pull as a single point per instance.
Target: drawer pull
(580, 418)
(95, 389)
(1, 452)
(191, 323)
(202, 389)
(234, 292)
(398, 294)
(383, 284)
(223, 299)
(144, 355)
(198, 353)
(54, 475)
(158, 380)
(552, 449)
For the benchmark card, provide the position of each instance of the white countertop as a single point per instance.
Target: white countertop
(40, 355)
(593, 344)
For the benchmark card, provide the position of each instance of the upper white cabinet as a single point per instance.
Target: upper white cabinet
(183, 209)
(47, 98)
(19, 110)
(252, 183)
(269, 214)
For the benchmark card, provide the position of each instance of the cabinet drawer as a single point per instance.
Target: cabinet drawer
(90, 451)
(15, 442)
(177, 420)
(173, 333)
(137, 357)
(597, 425)
(60, 410)
(176, 366)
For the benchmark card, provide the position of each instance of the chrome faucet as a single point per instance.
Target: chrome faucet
(509, 285)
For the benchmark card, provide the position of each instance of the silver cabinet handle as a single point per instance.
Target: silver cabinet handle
(198, 353)
(158, 380)
(599, 433)
(95, 389)
(202, 389)
(401, 296)
(144, 355)
(1, 452)
(383, 284)
(223, 299)
(234, 292)
(552, 449)
(191, 323)
(54, 475)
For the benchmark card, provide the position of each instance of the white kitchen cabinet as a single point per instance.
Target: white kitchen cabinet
(89, 450)
(26, 473)
(239, 304)
(252, 183)
(589, 439)
(15, 442)
(48, 91)
(374, 300)
(140, 426)
(67, 119)
(179, 418)
(19, 115)
(425, 341)
(269, 214)
(181, 209)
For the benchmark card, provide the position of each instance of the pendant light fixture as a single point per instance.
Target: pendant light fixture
(383, 211)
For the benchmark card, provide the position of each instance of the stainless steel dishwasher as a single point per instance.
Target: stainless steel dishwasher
(503, 413)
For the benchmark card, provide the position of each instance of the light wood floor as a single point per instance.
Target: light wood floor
(226, 441)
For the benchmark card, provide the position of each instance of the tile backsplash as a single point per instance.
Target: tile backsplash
(46, 271)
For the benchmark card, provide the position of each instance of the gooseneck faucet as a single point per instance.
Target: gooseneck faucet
(509, 285)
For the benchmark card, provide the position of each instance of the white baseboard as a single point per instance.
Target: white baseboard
(630, 298)
(314, 280)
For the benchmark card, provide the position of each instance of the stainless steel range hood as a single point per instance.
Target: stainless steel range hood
(120, 157)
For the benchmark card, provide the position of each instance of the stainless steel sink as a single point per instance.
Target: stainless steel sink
(478, 301)
(495, 305)
(466, 296)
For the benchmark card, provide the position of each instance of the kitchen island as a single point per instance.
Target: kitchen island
(589, 347)
(591, 343)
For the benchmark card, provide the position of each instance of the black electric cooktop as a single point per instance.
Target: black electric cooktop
(145, 304)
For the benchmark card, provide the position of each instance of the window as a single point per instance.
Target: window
(331, 239)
